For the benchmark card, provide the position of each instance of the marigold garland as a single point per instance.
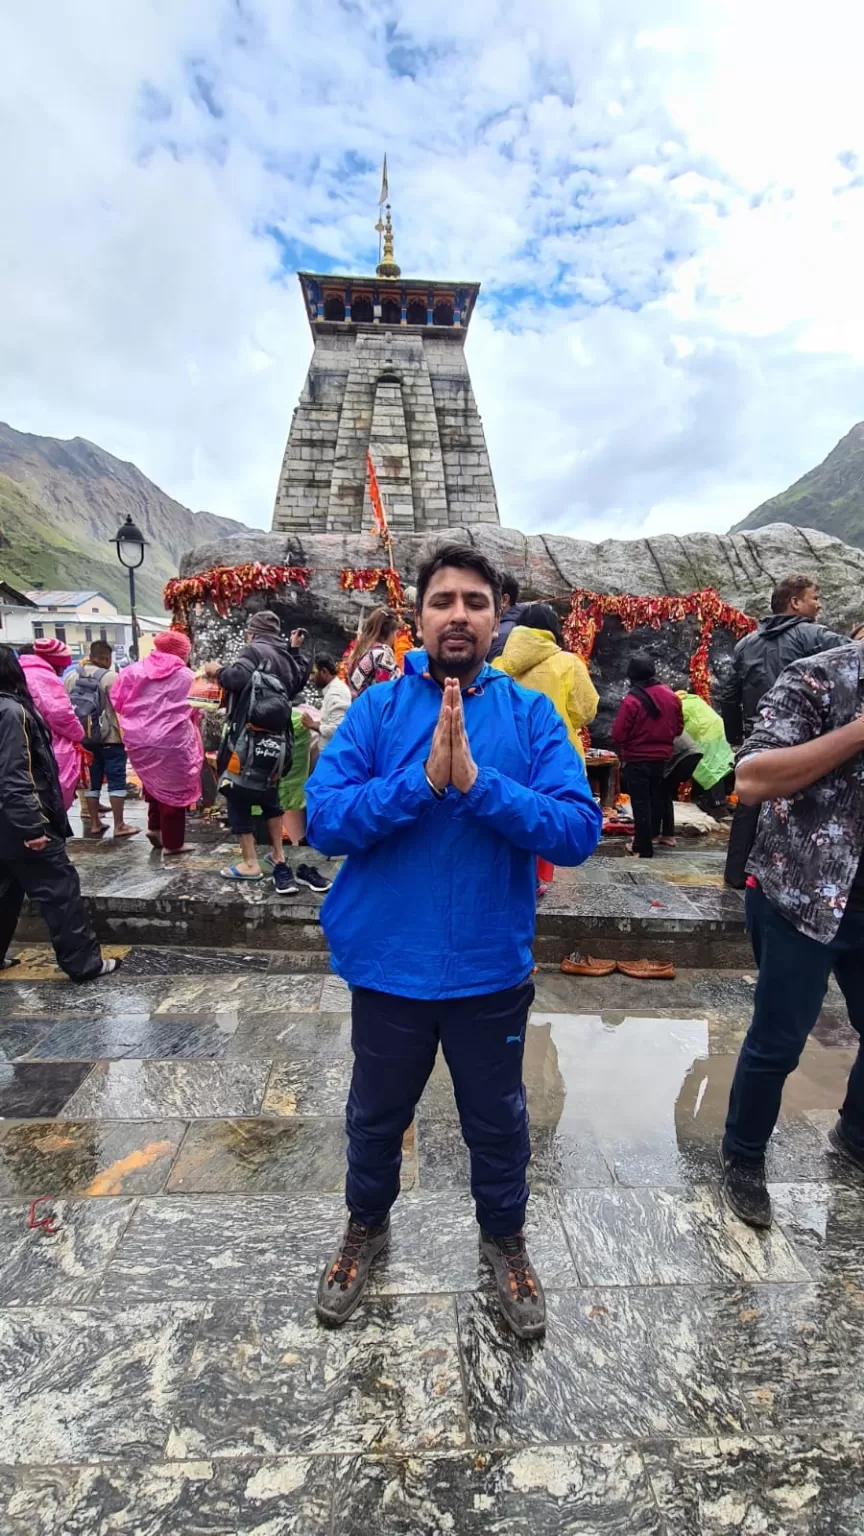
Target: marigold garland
(368, 578)
(589, 609)
(226, 586)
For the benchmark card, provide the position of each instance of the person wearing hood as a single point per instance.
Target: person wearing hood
(438, 789)
(790, 633)
(533, 656)
(33, 832)
(162, 739)
(643, 734)
(266, 652)
(43, 665)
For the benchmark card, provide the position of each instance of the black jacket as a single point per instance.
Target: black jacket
(506, 623)
(759, 659)
(265, 654)
(31, 802)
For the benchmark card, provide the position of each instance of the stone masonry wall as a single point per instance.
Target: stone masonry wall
(391, 379)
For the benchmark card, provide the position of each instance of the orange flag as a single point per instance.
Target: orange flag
(377, 504)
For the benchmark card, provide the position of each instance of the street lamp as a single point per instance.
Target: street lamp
(131, 543)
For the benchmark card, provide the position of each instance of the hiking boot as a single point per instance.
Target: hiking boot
(842, 1145)
(312, 879)
(744, 1188)
(283, 880)
(520, 1293)
(341, 1287)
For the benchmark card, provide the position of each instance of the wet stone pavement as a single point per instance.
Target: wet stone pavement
(161, 1369)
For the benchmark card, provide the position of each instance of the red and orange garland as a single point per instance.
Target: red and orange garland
(226, 587)
(368, 579)
(589, 609)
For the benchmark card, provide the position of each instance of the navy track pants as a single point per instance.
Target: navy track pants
(395, 1041)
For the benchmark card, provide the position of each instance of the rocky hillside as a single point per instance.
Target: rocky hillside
(62, 502)
(829, 497)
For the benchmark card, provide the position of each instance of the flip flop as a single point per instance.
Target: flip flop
(7, 964)
(127, 832)
(91, 836)
(233, 873)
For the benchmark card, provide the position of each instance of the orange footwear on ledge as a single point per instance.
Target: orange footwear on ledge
(586, 965)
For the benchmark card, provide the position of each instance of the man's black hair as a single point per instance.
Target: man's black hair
(465, 558)
(325, 661)
(510, 587)
(791, 587)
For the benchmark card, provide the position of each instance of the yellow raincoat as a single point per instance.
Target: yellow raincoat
(532, 658)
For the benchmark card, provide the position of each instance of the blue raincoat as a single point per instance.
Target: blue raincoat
(436, 898)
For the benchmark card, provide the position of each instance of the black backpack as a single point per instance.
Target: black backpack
(85, 696)
(259, 740)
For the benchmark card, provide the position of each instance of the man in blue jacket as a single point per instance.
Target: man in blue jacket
(442, 788)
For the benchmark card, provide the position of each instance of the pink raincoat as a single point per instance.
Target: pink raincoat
(159, 732)
(52, 702)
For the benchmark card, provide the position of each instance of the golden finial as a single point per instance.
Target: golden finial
(388, 267)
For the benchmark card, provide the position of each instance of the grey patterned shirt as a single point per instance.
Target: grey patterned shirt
(809, 846)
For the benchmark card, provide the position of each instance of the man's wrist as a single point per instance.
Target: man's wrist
(436, 789)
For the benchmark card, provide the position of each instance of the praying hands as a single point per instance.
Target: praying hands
(450, 760)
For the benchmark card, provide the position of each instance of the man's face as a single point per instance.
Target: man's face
(808, 604)
(458, 619)
(319, 678)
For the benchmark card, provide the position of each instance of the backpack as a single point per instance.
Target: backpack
(258, 744)
(85, 696)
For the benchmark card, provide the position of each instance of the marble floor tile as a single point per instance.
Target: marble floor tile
(186, 961)
(248, 995)
(280, 1036)
(113, 997)
(669, 1237)
(91, 1384)
(776, 1487)
(796, 1354)
(564, 1158)
(19, 1038)
(262, 1156)
(266, 1379)
(63, 1267)
(595, 1490)
(185, 1090)
(30, 1090)
(335, 995)
(291, 1497)
(615, 1364)
(207, 1247)
(67, 1157)
(196, 1035)
(824, 1223)
(316, 1078)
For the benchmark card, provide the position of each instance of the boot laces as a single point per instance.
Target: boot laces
(519, 1267)
(344, 1267)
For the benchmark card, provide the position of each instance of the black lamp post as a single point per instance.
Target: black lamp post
(131, 543)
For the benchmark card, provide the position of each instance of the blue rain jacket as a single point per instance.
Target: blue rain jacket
(436, 898)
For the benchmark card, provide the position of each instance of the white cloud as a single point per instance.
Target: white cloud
(660, 197)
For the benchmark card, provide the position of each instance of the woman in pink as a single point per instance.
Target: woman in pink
(163, 741)
(43, 665)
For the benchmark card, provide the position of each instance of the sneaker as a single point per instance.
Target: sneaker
(284, 880)
(520, 1293)
(842, 1145)
(341, 1287)
(107, 968)
(744, 1188)
(312, 878)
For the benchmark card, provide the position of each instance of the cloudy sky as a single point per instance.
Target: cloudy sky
(663, 200)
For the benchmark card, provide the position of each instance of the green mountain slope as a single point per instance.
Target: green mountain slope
(829, 497)
(62, 502)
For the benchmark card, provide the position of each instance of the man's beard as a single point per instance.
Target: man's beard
(455, 664)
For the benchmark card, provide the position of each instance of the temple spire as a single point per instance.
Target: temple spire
(387, 263)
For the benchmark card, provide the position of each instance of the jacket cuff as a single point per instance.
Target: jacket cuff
(483, 781)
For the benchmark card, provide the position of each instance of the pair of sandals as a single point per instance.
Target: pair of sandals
(642, 970)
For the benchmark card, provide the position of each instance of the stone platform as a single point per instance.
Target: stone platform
(674, 906)
(161, 1369)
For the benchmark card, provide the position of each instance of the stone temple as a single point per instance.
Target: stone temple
(388, 379)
